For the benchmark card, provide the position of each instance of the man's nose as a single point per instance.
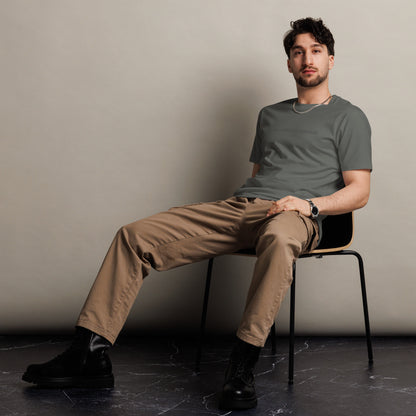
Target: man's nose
(308, 58)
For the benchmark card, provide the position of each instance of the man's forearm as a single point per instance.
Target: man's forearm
(348, 199)
(353, 196)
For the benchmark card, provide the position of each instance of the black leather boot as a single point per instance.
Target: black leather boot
(84, 364)
(239, 391)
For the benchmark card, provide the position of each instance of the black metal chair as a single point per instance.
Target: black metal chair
(338, 233)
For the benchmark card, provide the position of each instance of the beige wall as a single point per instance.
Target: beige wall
(113, 110)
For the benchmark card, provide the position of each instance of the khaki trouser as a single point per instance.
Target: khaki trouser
(193, 233)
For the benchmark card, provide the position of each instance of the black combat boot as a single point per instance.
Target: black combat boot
(238, 391)
(84, 364)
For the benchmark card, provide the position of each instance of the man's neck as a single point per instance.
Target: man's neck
(315, 95)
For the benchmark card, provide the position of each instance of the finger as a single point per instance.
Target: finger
(271, 211)
(274, 210)
(284, 200)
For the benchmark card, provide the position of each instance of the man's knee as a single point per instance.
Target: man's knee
(132, 236)
(279, 242)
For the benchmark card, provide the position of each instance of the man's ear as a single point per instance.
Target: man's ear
(331, 61)
(289, 68)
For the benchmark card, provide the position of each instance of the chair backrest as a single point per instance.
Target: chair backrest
(337, 233)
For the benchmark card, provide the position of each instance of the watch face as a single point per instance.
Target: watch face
(315, 211)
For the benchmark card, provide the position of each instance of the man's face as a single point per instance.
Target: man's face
(309, 61)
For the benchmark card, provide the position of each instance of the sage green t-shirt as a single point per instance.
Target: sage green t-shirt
(304, 155)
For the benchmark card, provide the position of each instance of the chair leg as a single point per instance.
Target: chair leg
(292, 325)
(204, 315)
(364, 297)
(365, 305)
(272, 335)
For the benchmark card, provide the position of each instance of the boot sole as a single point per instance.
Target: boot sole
(97, 382)
(227, 403)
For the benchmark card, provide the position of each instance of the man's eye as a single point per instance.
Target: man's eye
(317, 51)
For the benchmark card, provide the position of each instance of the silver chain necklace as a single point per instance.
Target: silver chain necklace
(310, 109)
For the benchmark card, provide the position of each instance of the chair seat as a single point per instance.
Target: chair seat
(338, 233)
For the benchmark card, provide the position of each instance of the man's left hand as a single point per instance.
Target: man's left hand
(290, 203)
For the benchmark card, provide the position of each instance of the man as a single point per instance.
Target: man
(312, 157)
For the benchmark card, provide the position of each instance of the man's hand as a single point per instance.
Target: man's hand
(290, 203)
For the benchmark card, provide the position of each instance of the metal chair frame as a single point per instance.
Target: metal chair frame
(327, 247)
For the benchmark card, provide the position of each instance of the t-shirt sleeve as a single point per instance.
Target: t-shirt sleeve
(256, 151)
(354, 148)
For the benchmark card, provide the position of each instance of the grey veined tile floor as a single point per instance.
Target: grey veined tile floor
(155, 376)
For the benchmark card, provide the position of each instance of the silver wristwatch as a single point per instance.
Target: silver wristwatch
(314, 209)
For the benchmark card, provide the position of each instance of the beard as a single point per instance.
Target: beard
(314, 82)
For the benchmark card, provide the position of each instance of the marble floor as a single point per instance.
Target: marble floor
(155, 376)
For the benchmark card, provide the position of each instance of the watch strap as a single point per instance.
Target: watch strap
(314, 209)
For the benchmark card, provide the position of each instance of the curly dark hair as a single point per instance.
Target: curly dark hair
(309, 25)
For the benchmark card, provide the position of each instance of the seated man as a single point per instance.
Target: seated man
(312, 157)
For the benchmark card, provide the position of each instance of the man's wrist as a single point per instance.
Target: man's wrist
(314, 210)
